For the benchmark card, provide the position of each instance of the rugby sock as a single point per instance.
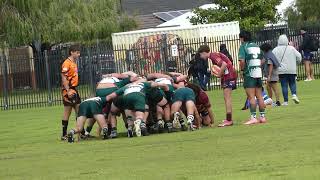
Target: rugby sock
(229, 116)
(262, 112)
(181, 121)
(88, 129)
(253, 111)
(190, 118)
(64, 127)
(72, 131)
(105, 130)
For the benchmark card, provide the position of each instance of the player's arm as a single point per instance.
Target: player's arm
(270, 71)
(65, 81)
(211, 115)
(242, 57)
(64, 76)
(175, 74)
(157, 75)
(222, 69)
(115, 94)
(198, 119)
(116, 75)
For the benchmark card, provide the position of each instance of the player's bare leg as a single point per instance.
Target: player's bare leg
(190, 110)
(79, 127)
(102, 124)
(251, 94)
(262, 106)
(175, 114)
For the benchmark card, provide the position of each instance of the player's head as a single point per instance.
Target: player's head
(204, 51)
(245, 36)
(303, 30)
(266, 47)
(74, 51)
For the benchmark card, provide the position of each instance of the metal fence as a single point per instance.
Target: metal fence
(33, 80)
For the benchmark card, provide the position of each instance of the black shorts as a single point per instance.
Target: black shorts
(307, 56)
(73, 101)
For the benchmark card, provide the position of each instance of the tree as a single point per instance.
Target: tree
(251, 14)
(24, 21)
(303, 13)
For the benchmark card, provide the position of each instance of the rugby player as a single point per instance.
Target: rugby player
(228, 77)
(90, 108)
(182, 96)
(134, 101)
(250, 59)
(203, 106)
(109, 84)
(70, 80)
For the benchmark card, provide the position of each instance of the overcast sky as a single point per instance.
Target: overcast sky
(284, 5)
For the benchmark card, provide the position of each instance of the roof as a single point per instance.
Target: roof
(143, 7)
(184, 19)
(148, 21)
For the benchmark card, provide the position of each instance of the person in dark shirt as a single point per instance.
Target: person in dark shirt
(224, 50)
(307, 54)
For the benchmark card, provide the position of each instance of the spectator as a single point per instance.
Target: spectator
(199, 71)
(271, 72)
(307, 49)
(288, 57)
(224, 50)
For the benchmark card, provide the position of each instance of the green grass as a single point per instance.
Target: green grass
(286, 148)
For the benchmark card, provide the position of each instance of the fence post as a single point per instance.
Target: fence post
(46, 59)
(92, 83)
(165, 53)
(205, 40)
(3, 59)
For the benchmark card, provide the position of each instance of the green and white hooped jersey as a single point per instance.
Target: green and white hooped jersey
(252, 55)
(100, 101)
(163, 81)
(111, 80)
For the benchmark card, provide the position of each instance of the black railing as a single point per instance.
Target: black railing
(33, 80)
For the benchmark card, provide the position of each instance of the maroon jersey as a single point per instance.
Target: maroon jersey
(217, 59)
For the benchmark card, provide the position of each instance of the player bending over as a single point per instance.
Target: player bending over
(134, 100)
(228, 77)
(90, 108)
(182, 96)
(109, 84)
(203, 106)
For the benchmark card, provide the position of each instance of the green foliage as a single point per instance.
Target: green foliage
(251, 14)
(23, 21)
(304, 13)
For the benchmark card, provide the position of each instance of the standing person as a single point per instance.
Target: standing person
(271, 72)
(288, 57)
(70, 80)
(202, 68)
(224, 50)
(228, 79)
(309, 44)
(69, 76)
(250, 58)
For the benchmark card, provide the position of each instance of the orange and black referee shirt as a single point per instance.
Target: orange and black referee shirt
(70, 70)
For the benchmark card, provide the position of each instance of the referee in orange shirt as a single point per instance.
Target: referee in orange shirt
(70, 80)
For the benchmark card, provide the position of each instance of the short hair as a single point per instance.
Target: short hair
(246, 35)
(74, 48)
(266, 47)
(204, 48)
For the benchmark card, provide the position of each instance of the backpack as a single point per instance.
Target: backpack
(314, 43)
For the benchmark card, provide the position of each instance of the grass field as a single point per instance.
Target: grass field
(286, 148)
